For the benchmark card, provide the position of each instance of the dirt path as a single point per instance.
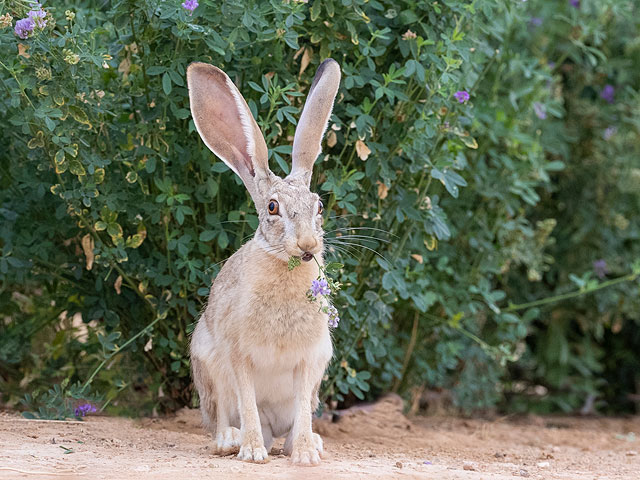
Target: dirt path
(373, 442)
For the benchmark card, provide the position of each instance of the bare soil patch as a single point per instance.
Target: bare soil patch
(367, 442)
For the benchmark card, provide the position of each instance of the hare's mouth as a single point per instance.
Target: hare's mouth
(306, 257)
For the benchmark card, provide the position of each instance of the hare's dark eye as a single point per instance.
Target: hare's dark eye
(320, 207)
(273, 207)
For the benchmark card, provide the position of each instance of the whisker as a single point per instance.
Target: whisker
(363, 237)
(350, 251)
(341, 229)
(272, 249)
(370, 249)
(342, 252)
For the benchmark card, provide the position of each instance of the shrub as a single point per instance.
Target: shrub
(117, 217)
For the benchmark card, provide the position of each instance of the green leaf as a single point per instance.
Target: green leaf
(207, 236)
(166, 84)
(76, 167)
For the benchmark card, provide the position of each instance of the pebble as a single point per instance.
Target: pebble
(469, 466)
(632, 453)
(521, 473)
(399, 464)
(543, 464)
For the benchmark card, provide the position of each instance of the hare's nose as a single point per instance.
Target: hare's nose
(307, 243)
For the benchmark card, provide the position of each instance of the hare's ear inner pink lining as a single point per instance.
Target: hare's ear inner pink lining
(225, 123)
(314, 119)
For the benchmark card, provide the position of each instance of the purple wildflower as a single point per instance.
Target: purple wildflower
(600, 268)
(609, 132)
(82, 410)
(608, 93)
(574, 3)
(462, 96)
(320, 287)
(536, 21)
(540, 109)
(190, 5)
(38, 17)
(334, 318)
(24, 28)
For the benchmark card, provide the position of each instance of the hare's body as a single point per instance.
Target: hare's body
(261, 347)
(275, 333)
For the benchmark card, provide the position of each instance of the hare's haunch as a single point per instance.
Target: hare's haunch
(260, 348)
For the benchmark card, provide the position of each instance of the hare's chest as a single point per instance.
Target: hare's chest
(282, 354)
(287, 323)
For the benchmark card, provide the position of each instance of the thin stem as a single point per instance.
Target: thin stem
(409, 352)
(117, 351)
(557, 298)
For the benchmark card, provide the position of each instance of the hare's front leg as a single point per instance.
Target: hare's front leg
(227, 437)
(252, 445)
(304, 445)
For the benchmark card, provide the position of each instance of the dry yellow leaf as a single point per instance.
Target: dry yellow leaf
(383, 190)
(118, 284)
(306, 59)
(362, 150)
(417, 257)
(332, 138)
(22, 50)
(125, 67)
(87, 247)
(431, 244)
(149, 345)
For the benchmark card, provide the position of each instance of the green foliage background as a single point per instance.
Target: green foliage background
(479, 209)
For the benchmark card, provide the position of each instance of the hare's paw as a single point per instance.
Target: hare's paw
(252, 449)
(307, 453)
(228, 440)
(317, 442)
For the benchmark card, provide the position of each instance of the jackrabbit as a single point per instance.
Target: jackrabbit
(260, 348)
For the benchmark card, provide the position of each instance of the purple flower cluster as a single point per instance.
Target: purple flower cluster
(334, 318)
(320, 287)
(35, 18)
(608, 93)
(190, 5)
(609, 132)
(600, 268)
(540, 110)
(82, 410)
(462, 96)
(24, 28)
(575, 3)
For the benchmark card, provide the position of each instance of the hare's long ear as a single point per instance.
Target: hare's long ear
(314, 119)
(226, 125)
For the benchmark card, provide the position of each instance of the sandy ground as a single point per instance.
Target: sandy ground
(370, 442)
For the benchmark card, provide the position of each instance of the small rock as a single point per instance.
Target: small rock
(427, 462)
(543, 464)
(469, 466)
(521, 473)
(500, 455)
(399, 464)
(555, 449)
(632, 453)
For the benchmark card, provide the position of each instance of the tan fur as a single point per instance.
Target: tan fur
(260, 348)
